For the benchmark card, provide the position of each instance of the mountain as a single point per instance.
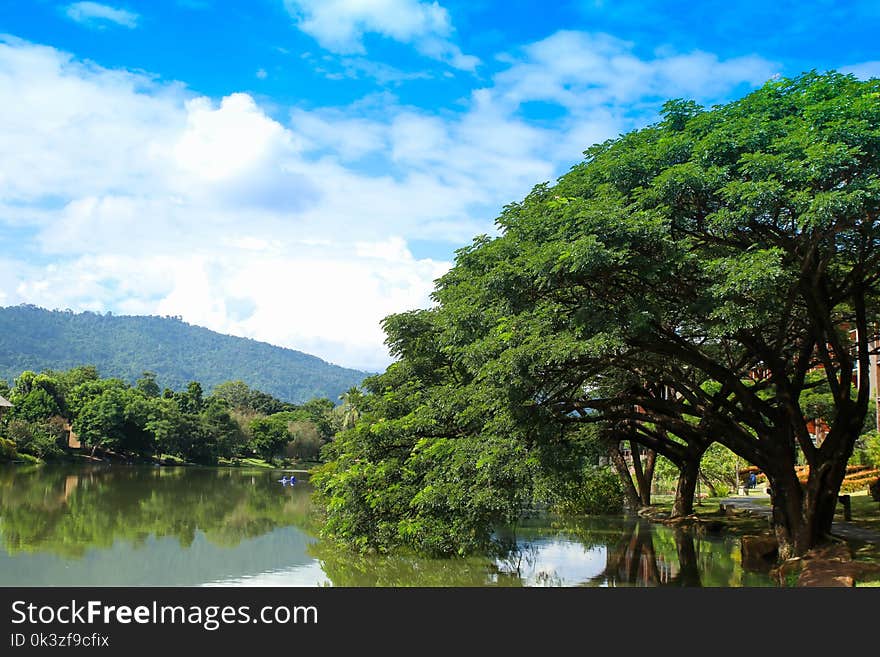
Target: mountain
(33, 338)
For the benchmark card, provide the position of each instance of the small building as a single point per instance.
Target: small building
(4, 404)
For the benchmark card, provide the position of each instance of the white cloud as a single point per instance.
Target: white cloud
(864, 70)
(328, 301)
(223, 143)
(580, 70)
(340, 26)
(138, 196)
(339, 68)
(95, 14)
(75, 129)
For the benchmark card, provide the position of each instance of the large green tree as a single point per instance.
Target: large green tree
(432, 463)
(677, 288)
(723, 254)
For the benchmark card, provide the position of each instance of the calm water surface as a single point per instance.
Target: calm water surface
(151, 526)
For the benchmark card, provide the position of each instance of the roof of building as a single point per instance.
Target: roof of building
(5, 402)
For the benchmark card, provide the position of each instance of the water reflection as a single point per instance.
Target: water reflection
(136, 526)
(66, 512)
(634, 560)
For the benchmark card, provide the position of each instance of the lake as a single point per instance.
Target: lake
(102, 525)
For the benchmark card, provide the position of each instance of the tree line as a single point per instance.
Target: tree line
(709, 280)
(142, 420)
(33, 338)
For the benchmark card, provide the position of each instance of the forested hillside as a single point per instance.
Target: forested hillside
(35, 339)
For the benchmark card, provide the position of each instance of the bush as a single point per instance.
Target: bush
(858, 481)
(722, 490)
(872, 448)
(7, 450)
(596, 491)
(40, 439)
(306, 444)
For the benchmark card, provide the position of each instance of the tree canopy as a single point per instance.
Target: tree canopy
(683, 285)
(137, 422)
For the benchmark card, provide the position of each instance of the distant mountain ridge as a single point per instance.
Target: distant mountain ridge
(125, 346)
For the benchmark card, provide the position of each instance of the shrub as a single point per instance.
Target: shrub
(306, 444)
(859, 481)
(872, 448)
(7, 450)
(39, 439)
(596, 491)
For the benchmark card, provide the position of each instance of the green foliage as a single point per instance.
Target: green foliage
(170, 427)
(88, 391)
(227, 436)
(101, 420)
(269, 435)
(431, 464)
(240, 397)
(676, 286)
(593, 491)
(872, 448)
(111, 415)
(718, 469)
(40, 439)
(8, 451)
(125, 347)
(34, 406)
(147, 385)
(306, 441)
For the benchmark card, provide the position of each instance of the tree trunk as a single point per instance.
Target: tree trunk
(643, 482)
(789, 522)
(822, 490)
(803, 513)
(631, 495)
(650, 462)
(713, 492)
(687, 485)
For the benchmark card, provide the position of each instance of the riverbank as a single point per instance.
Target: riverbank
(164, 460)
(852, 558)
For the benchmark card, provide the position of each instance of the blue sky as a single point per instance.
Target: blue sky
(294, 170)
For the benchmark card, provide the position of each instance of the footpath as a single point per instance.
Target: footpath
(843, 529)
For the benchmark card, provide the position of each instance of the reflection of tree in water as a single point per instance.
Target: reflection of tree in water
(635, 561)
(68, 510)
(632, 560)
(514, 558)
(344, 567)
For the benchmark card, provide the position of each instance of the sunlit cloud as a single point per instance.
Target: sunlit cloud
(129, 193)
(340, 25)
(95, 14)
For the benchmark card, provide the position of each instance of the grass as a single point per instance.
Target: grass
(169, 459)
(27, 458)
(865, 511)
(710, 509)
(248, 462)
(260, 463)
(707, 507)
